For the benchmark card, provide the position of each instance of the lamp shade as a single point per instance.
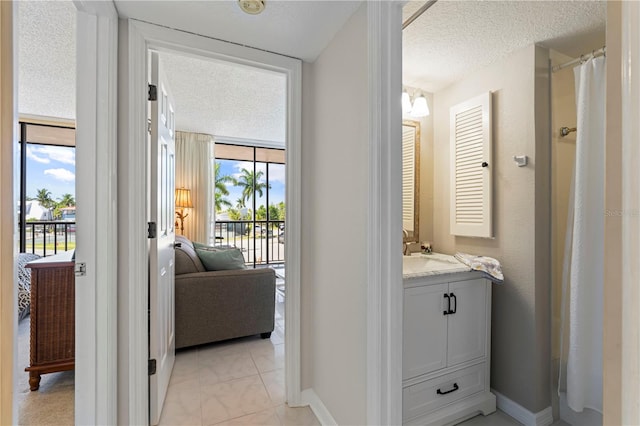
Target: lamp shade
(420, 107)
(406, 103)
(183, 198)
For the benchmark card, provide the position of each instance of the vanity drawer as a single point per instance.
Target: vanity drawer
(424, 397)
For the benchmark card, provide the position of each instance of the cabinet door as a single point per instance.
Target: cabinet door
(468, 325)
(425, 330)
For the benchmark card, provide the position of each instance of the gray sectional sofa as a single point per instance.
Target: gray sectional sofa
(217, 305)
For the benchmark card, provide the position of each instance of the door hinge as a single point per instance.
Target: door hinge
(80, 269)
(152, 230)
(153, 92)
(152, 367)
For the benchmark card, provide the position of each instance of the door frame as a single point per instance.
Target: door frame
(384, 254)
(138, 38)
(8, 218)
(96, 188)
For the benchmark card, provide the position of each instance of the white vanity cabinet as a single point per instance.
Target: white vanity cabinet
(446, 348)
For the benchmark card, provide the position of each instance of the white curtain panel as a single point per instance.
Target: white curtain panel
(194, 171)
(584, 364)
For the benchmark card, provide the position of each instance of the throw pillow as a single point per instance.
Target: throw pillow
(24, 283)
(221, 259)
(197, 245)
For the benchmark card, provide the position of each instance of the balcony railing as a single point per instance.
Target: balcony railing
(47, 238)
(261, 241)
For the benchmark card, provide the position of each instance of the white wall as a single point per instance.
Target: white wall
(520, 329)
(613, 390)
(334, 220)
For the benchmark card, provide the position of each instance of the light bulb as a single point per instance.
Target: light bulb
(420, 107)
(406, 103)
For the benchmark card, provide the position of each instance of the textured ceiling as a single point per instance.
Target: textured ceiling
(301, 29)
(47, 58)
(224, 99)
(211, 97)
(447, 42)
(454, 38)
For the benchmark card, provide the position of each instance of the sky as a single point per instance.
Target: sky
(51, 167)
(276, 178)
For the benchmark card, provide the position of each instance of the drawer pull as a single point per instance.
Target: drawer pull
(455, 304)
(455, 388)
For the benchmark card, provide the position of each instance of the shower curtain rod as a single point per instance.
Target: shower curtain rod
(594, 54)
(418, 12)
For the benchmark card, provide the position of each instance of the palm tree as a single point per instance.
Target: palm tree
(44, 198)
(67, 200)
(250, 183)
(221, 190)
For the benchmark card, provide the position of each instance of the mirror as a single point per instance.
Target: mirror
(410, 180)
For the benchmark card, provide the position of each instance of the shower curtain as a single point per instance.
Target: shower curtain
(583, 280)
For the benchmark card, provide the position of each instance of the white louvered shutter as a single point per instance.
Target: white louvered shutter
(471, 186)
(408, 176)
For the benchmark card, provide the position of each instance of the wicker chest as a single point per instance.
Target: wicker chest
(52, 316)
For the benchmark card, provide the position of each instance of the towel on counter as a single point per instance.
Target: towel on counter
(488, 265)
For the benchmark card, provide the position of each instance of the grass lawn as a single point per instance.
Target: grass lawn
(50, 247)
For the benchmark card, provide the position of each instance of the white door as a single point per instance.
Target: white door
(468, 325)
(161, 251)
(425, 330)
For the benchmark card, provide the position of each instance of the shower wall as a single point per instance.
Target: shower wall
(563, 149)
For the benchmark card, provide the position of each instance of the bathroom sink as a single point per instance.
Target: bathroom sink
(430, 264)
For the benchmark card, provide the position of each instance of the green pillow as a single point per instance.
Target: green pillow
(197, 245)
(221, 259)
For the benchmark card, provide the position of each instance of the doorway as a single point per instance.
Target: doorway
(44, 384)
(143, 37)
(242, 218)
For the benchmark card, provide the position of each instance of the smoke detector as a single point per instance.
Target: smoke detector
(252, 7)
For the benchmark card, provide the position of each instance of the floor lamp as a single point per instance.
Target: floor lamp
(183, 201)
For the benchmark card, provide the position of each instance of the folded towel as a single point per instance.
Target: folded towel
(487, 265)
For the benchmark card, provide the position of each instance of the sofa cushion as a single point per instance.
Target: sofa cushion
(187, 261)
(215, 259)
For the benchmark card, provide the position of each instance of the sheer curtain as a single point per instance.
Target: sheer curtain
(194, 171)
(584, 259)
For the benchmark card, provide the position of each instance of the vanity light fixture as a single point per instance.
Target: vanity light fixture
(252, 7)
(417, 109)
(406, 103)
(420, 107)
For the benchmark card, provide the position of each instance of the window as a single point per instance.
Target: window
(250, 201)
(47, 188)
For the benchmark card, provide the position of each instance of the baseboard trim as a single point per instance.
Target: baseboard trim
(521, 414)
(309, 396)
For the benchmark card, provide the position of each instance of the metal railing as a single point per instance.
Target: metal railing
(261, 241)
(47, 238)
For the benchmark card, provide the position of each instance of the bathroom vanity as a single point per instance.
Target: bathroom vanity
(446, 341)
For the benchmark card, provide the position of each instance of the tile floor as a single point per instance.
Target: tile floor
(499, 418)
(239, 382)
